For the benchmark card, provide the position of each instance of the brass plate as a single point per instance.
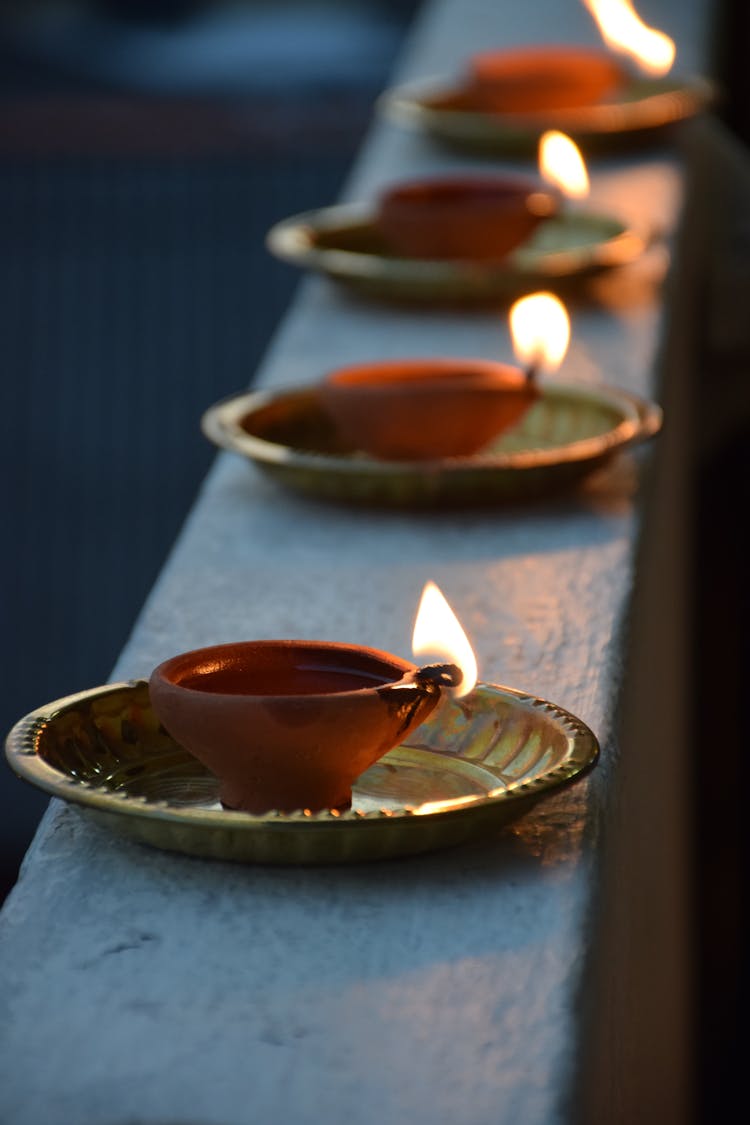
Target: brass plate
(475, 765)
(343, 243)
(644, 109)
(570, 431)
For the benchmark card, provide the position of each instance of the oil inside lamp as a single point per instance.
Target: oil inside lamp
(287, 724)
(540, 328)
(561, 164)
(624, 31)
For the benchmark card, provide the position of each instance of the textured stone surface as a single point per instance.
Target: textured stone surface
(147, 988)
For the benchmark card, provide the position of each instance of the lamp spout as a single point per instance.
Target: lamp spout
(418, 693)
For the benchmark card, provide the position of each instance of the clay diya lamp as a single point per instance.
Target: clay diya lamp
(477, 218)
(536, 79)
(417, 409)
(290, 724)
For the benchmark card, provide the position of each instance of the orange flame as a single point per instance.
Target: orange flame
(623, 30)
(438, 635)
(540, 327)
(561, 164)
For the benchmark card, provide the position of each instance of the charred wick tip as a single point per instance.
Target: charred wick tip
(441, 675)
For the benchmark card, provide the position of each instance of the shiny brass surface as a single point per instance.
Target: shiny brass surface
(477, 764)
(569, 432)
(643, 110)
(343, 243)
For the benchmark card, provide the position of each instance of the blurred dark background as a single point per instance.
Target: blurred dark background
(721, 627)
(145, 149)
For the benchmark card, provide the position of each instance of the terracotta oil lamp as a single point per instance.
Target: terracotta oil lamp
(422, 409)
(472, 217)
(289, 725)
(535, 79)
(417, 409)
(555, 77)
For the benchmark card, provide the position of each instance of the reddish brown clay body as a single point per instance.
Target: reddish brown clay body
(542, 78)
(478, 218)
(289, 724)
(419, 409)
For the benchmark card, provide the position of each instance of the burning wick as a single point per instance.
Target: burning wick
(438, 632)
(442, 675)
(540, 327)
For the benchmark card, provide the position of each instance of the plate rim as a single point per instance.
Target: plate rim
(582, 753)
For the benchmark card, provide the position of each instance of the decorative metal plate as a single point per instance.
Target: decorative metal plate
(644, 109)
(477, 763)
(343, 243)
(571, 430)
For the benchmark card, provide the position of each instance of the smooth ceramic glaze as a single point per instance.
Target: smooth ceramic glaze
(407, 410)
(467, 217)
(289, 724)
